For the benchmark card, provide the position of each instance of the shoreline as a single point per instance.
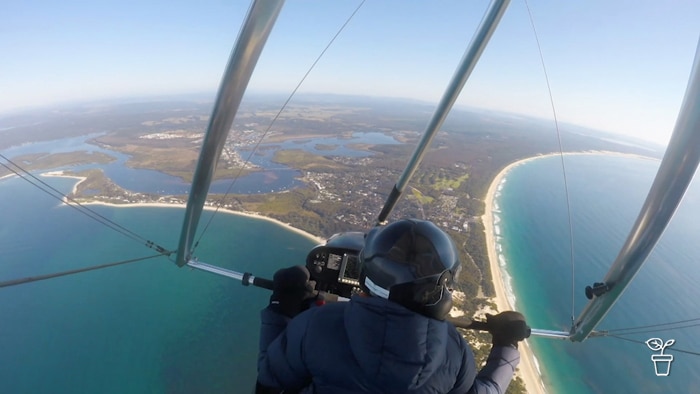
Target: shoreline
(529, 367)
(254, 215)
(531, 376)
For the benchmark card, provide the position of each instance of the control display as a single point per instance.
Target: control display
(335, 266)
(350, 270)
(334, 261)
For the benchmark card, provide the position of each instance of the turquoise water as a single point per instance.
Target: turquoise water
(606, 195)
(148, 327)
(151, 327)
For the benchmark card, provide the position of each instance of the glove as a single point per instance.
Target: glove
(507, 328)
(292, 291)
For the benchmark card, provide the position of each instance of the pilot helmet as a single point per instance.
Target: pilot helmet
(413, 263)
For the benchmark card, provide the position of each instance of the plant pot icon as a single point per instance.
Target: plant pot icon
(662, 364)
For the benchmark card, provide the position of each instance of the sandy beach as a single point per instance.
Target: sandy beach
(528, 366)
(527, 369)
(255, 215)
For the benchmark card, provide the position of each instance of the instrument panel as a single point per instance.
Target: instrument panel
(335, 266)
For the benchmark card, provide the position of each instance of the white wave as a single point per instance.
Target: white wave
(496, 219)
(499, 247)
(501, 260)
(496, 208)
(507, 283)
(537, 365)
(497, 229)
(537, 368)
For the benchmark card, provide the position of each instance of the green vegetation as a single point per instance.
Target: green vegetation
(445, 183)
(277, 204)
(297, 158)
(173, 161)
(296, 207)
(45, 161)
(422, 199)
(95, 180)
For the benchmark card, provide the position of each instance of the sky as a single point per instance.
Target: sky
(619, 66)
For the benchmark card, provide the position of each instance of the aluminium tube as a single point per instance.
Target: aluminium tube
(469, 59)
(675, 174)
(245, 278)
(251, 39)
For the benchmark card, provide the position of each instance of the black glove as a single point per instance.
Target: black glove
(292, 292)
(507, 328)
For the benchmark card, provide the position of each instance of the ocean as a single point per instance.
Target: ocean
(150, 327)
(606, 194)
(147, 327)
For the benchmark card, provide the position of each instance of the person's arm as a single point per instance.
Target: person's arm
(280, 363)
(496, 375)
(507, 329)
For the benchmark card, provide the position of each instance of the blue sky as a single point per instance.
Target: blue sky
(619, 66)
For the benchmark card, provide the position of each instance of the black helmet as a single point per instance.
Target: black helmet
(411, 262)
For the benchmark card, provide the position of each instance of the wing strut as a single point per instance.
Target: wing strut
(469, 59)
(675, 174)
(251, 39)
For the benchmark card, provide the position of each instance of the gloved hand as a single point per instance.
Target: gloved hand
(507, 328)
(292, 292)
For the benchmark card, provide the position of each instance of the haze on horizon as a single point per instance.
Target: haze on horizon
(618, 67)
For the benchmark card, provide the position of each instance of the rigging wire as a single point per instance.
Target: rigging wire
(71, 202)
(29, 279)
(615, 333)
(658, 329)
(670, 349)
(563, 166)
(267, 130)
(653, 327)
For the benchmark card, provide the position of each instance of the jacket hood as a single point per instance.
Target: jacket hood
(394, 346)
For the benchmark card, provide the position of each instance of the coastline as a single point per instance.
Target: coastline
(254, 215)
(527, 370)
(529, 367)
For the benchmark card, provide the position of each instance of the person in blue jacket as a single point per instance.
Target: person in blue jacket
(391, 339)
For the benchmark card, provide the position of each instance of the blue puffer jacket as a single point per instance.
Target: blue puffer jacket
(371, 345)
